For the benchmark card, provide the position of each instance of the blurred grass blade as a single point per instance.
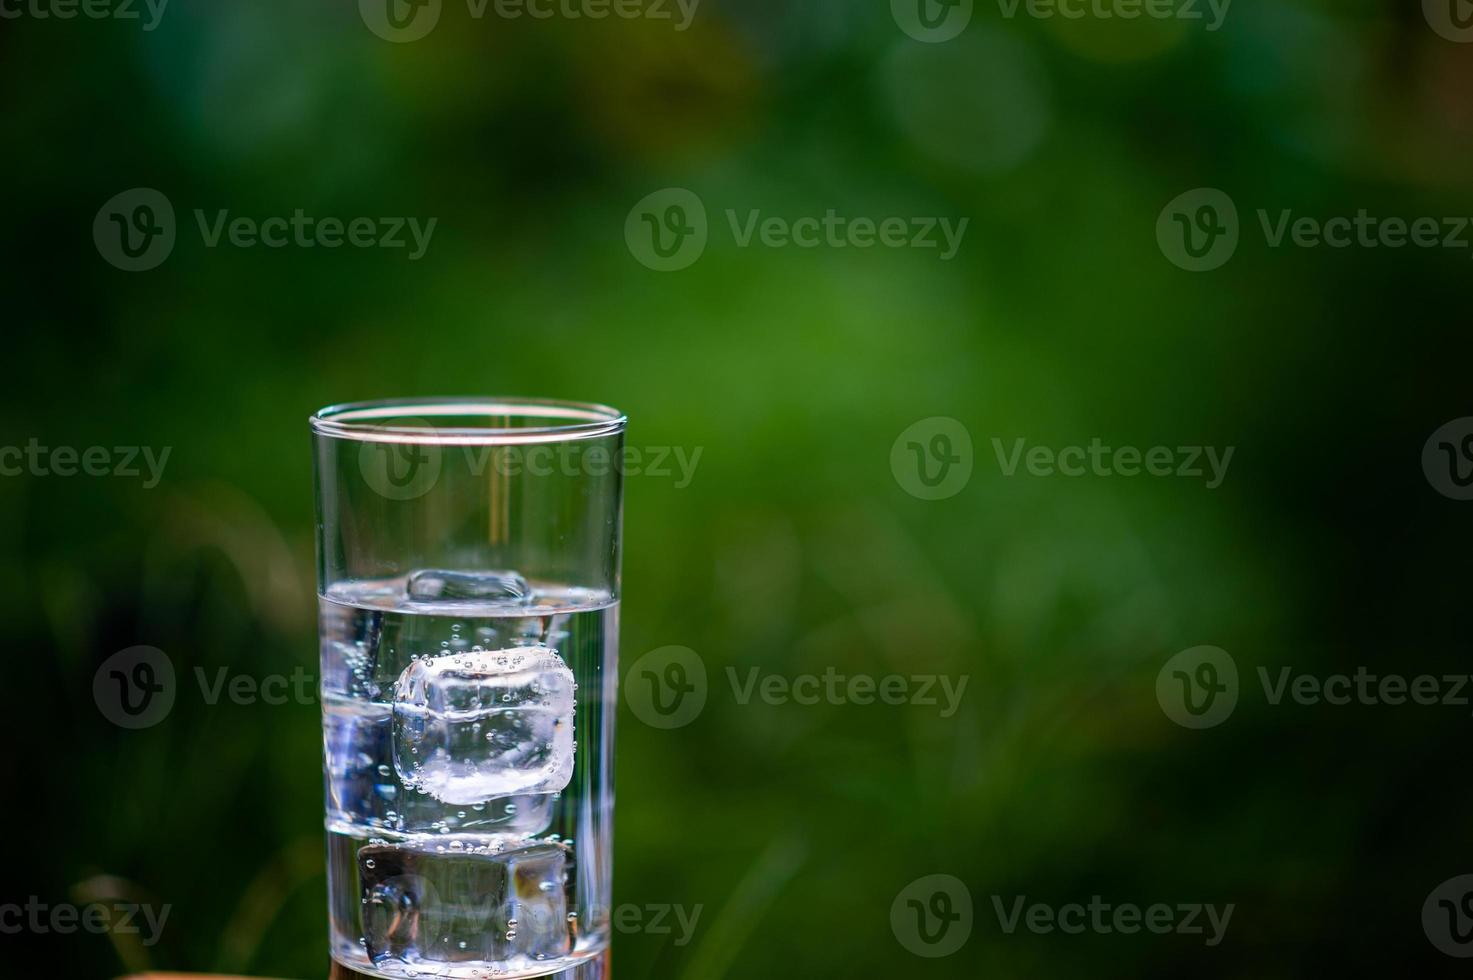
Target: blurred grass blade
(749, 901)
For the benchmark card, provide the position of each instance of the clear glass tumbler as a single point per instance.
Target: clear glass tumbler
(468, 576)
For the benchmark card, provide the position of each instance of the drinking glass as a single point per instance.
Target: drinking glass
(468, 579)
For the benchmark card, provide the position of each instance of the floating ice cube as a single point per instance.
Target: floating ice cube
(363, 790)
(455, 902)
(436, 585)
(471, 727)
(511, 816)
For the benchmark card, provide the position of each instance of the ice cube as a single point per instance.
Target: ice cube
(362, 788)
(511, 816)
(456, 901)
(437, 585)
(473, 726)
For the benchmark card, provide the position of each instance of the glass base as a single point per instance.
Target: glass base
(597, 968)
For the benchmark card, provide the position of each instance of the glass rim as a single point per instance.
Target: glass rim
(573, 420)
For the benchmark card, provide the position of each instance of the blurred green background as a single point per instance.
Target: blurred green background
(794, 547)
